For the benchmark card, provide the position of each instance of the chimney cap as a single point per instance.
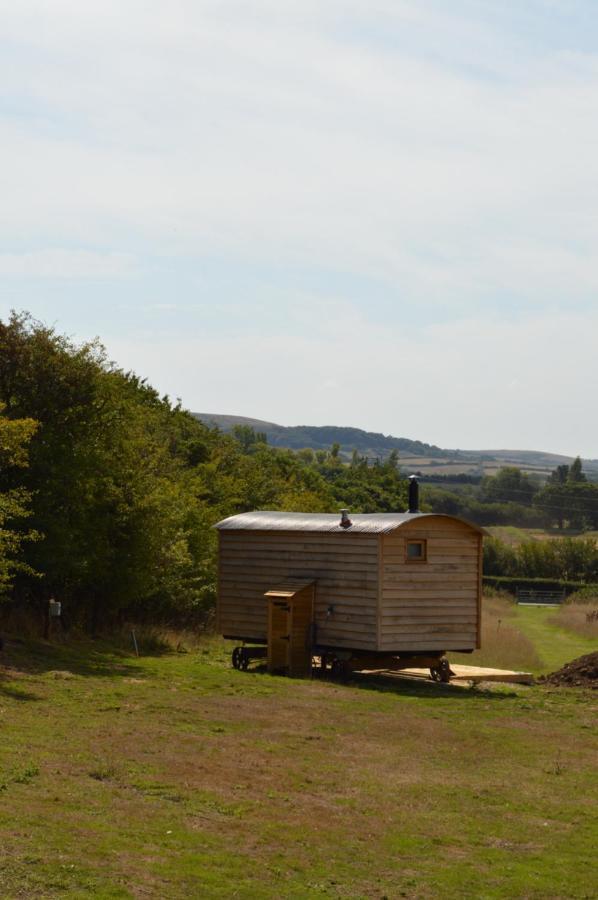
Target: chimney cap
(345, 521)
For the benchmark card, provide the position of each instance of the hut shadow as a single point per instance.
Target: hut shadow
(11, 692)
(415, 687)
(406, 687)
(88, 658)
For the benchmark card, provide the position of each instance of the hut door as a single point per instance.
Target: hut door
(279, 635)
(290, 613)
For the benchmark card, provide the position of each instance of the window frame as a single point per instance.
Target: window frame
(423, 543)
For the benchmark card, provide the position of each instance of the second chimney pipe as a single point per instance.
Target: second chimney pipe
(413, 494)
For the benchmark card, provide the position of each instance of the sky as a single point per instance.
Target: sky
(377, 213)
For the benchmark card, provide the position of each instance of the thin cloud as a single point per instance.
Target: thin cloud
(66, 264)
(300, 185)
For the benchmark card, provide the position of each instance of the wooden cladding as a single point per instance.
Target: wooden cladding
(290, 617)
(430, 601)
(344, 568)
(371, 591)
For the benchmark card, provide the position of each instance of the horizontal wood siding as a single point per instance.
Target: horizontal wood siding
(431, 605)
(345, 568)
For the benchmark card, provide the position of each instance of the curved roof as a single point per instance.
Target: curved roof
(364, 523)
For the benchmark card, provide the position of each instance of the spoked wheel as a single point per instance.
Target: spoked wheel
(339, 670)
(441, 671)
(244, 661)
(237, 658)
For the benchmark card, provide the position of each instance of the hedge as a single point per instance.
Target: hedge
(538, 584)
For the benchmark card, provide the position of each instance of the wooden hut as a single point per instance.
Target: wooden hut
(350, 590)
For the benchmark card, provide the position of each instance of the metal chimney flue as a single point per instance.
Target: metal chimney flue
(345, 521)
(413, 494)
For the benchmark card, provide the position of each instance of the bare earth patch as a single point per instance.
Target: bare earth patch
(582, 672)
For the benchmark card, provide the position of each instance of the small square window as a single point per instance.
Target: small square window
(415, 551)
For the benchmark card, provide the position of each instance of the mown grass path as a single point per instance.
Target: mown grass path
(555, 646)
(174, 776)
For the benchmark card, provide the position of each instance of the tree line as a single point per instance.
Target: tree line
(511, 497)
(561, 559)
(108, 491)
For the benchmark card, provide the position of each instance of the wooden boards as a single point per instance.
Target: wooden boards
(343, 566)
(475, 674)
(433, 603)
(369, 593)
(290, 617)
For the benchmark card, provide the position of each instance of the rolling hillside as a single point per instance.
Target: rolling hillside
(415, 455)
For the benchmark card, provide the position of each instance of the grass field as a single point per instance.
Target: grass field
(554, 645)
(529, 638)
(173, 776)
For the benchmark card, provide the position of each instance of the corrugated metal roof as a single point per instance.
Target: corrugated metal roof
(368, 523)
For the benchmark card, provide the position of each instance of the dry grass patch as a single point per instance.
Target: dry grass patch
(581, 618)
(504, 646)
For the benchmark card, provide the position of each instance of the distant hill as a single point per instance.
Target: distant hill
(415, 455)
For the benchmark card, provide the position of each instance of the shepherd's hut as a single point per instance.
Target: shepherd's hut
(383, 590)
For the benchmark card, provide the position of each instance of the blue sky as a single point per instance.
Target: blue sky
(380, 214)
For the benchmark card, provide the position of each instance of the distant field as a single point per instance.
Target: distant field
(510, 534)
(173, 776)
(430, 466)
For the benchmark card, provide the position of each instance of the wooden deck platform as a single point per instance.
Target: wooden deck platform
(473, 674)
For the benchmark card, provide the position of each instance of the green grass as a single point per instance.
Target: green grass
(175, 776)
(555, 646)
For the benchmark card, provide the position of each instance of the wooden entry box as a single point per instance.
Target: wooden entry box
(290, 618)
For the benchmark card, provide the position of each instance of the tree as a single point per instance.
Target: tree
(559, 475)
(576, 474)
(14, 503)
(509, 485)
(114, 479)
(393, 459)
(552, 502)
(248, 437)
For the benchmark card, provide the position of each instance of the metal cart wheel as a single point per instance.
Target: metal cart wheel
(339, 670)
(441, 672)
(244, 660)
(236, 657)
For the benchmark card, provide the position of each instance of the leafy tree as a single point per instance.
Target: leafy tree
(248, 437)
(576, 473)
(560, 475)
(552, 502)
(574, 502)
(113, 476)
(15, 436)
(566, 559)
(393, 459)
(509, 485)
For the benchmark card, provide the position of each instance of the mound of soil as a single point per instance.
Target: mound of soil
(582, 672)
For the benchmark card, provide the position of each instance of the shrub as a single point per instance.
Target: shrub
(588, 594)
